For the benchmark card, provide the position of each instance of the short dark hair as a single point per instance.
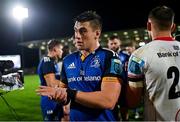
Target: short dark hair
(163, 16)
(91, 16)
(113, 37)
(52, 43)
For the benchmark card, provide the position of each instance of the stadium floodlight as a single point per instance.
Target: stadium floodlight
(20, 13)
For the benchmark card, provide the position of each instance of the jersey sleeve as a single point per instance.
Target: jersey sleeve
(135, 71)
(48, 66)
(63, 75)
(113, 66)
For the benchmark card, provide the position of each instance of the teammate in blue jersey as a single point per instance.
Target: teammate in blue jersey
(92, 75)
(114, 43)
(49, 74)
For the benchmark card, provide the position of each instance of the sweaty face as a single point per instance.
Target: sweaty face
(84, 36)
(114, 44)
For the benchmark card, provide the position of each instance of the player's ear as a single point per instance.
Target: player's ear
(108, 44)
(54, 49)
(148, 26)
(173, 27)
(98, 32)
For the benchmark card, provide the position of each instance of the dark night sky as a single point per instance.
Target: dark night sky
(54, 18)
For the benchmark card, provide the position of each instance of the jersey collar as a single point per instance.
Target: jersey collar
(93, 52)
(165, 38)
(97, 50)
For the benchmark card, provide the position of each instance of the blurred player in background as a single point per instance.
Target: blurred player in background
(120, 111)
(130, 48)
(49, 74)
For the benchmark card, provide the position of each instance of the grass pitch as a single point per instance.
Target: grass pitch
(25, 103)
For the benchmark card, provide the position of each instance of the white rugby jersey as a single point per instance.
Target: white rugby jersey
(158, 62)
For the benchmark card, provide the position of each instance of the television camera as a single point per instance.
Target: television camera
(10, 78)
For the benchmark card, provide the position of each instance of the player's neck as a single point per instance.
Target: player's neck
(118, 50)
(51, 55)
(161, 34)
(85, 53)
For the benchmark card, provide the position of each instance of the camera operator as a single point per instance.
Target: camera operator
(10, 78)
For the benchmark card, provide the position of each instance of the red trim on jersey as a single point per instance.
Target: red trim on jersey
(164, 38)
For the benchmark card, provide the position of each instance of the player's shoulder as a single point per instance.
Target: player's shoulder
(46, 59)
(144, 48)
(71, 56)
(176, 42)
(109, 52)
(124, 53)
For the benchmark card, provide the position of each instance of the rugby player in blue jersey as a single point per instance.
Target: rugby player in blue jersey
(114, 43)
(92, 75)
(49, 74)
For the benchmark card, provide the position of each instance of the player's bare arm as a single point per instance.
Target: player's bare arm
(108, 95)
(104, 99)
(133, 95)
(51, 80)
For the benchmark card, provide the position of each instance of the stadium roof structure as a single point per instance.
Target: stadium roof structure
(137, 35)
(125, 35)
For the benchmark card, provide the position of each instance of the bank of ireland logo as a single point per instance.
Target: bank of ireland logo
(95, 62)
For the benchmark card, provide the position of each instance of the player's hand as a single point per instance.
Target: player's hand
(58, 94)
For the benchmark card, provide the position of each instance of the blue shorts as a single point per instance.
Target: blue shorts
(51, 110)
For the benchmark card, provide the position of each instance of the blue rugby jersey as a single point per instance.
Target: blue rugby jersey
(124, 58)
(87, 76)
(47, 65)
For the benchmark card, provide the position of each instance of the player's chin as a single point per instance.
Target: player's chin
(79, 47)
